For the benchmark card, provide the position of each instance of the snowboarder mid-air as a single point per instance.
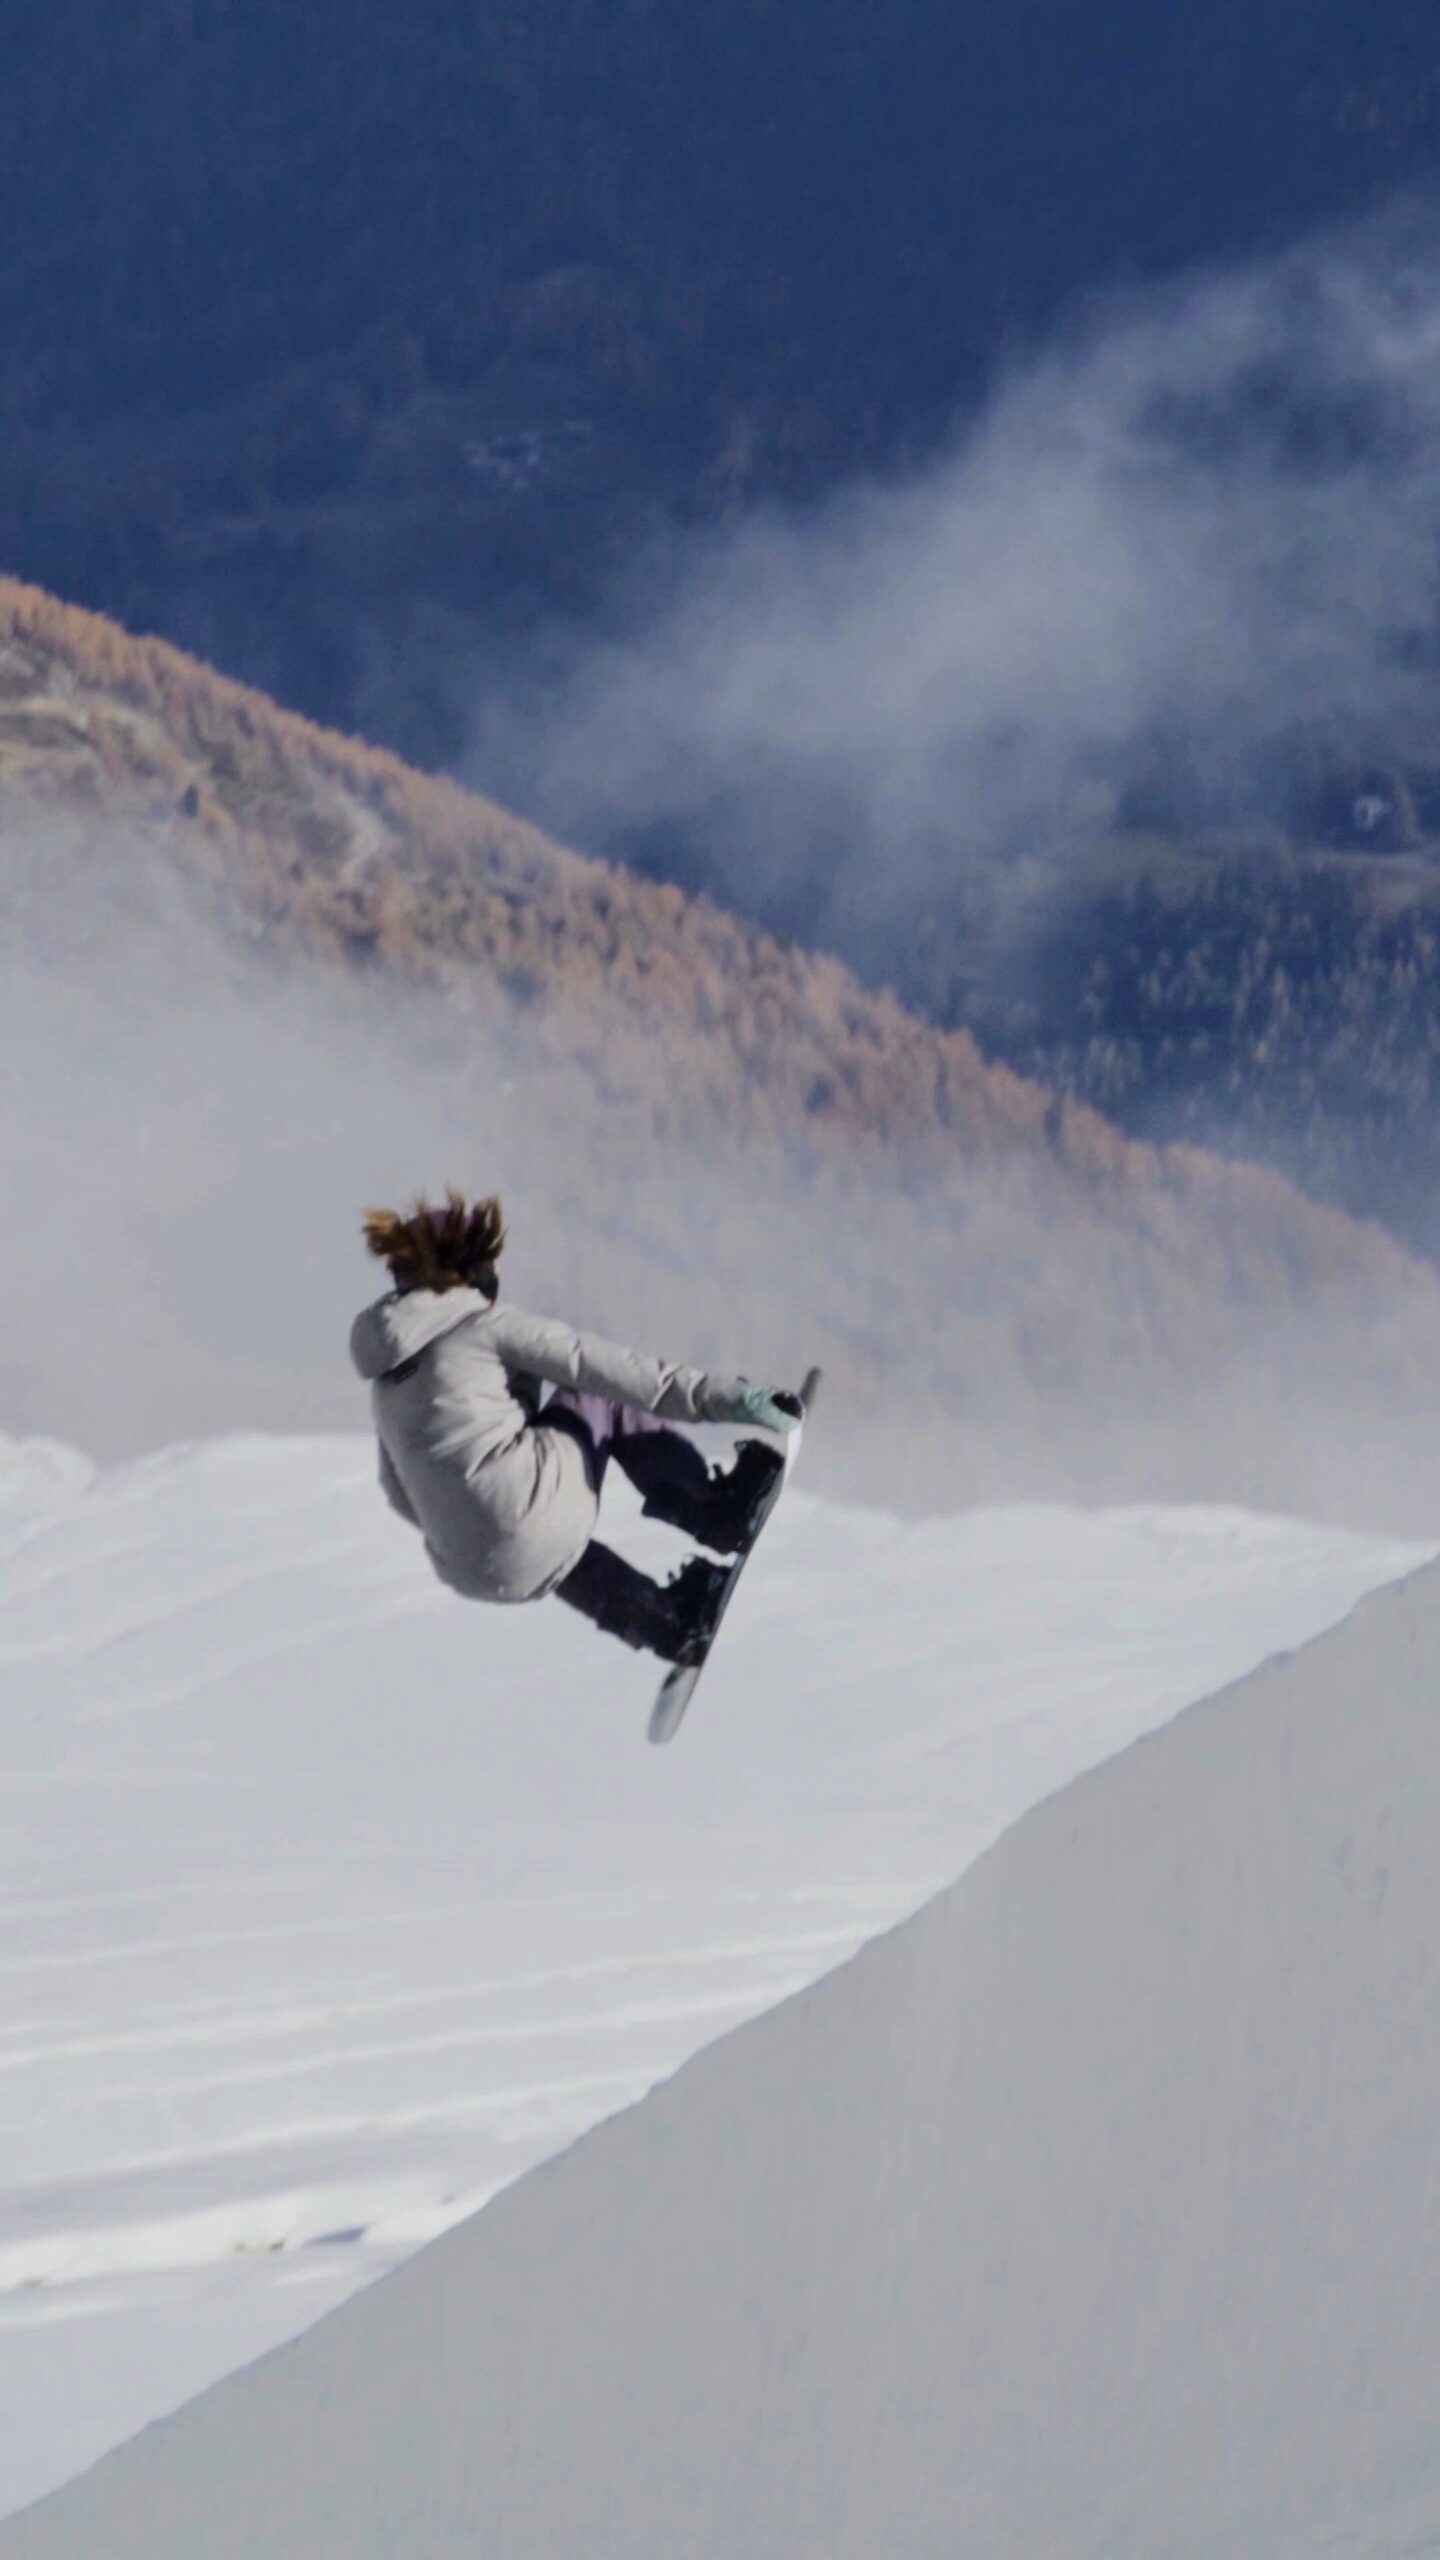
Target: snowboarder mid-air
(505, 1486)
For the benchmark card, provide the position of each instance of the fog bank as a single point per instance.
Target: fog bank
(1200, 527)
(192, 1130)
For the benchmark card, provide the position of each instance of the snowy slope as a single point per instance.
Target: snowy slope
(331, 1905)
(1093, 2211)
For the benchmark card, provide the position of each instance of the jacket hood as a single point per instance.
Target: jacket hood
(405, 1322)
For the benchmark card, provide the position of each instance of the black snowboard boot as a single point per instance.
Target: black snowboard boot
(691, 1596)
(671, 1619)
(719, 1514)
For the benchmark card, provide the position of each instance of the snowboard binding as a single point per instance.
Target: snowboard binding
(760, 1488)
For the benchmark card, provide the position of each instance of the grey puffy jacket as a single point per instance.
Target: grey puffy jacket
(505, 1505)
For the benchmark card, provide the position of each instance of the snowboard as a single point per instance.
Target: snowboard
(678, 1686)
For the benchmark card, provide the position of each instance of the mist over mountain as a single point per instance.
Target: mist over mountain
(1112, 734)
(311, 333)
(260, 976)
(959, 491)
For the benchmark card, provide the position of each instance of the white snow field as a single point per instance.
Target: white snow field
(332, 1905)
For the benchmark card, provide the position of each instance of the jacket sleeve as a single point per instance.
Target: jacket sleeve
(392, 1488)
(536, 1347)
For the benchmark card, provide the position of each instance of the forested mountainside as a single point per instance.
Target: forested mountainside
(312, 842)
(1280, 1003)
(305, 322)
(319, 843)
(679, 1095)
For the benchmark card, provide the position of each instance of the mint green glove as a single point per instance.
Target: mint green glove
(771, 1409)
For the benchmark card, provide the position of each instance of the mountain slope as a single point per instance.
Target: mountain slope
(696, 1121)
(401, 1904)
(1275, 1003)
(1091, 2210)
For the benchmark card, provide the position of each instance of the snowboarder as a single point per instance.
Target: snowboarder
(506, 1489)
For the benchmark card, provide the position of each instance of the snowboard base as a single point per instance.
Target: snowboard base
(678, 1686)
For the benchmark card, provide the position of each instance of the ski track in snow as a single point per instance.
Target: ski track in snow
(332, 1905)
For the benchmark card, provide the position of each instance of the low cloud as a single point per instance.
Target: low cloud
(1207, 517)
(188, 1132)
(1210, 513)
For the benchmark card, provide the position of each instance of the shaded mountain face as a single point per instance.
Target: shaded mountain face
(1280, 1004)
(259, 976)
(386, 312)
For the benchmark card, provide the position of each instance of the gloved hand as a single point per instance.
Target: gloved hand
(771, 1409)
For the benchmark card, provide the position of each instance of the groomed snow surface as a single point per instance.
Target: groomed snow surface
(331, 1906)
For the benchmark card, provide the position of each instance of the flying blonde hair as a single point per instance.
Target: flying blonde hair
(454, 1247)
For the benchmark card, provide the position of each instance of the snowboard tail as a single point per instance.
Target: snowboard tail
(679, 1684)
